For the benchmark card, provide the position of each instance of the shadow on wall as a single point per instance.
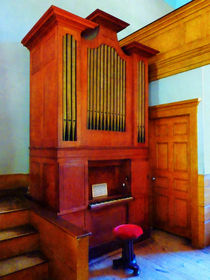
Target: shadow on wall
(154, 93)
(14, 108)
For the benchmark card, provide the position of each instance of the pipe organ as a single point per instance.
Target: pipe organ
(88, 121)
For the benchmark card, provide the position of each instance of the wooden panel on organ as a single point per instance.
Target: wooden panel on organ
(88, 121)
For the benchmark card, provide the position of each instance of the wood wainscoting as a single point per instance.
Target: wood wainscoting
(182, 37)
(204, 209)
(12, 181)
(174, 170)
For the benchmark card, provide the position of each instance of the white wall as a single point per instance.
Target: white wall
(14, 108)
(16, 18)
(206, 117)
(183, 86)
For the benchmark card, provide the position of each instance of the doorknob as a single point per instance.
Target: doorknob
(153, 178)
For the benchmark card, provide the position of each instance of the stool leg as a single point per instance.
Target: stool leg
(128, 259)
(127, 251)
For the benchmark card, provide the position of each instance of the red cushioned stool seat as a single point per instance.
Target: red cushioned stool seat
(127, 233)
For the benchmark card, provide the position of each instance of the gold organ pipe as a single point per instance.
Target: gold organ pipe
(94, 86)
(112, 88)
(124, 100)
(121, 95)
(89, 90)
(105, 87)
(118, 93)
(115, 91)
(101, 87)
(108, 88)
(73, 89)
(69, 90)
(98, 88)
(139, 101)
(64, 89)
(143, 103)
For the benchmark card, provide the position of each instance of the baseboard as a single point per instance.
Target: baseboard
(204, 210)
(13, 181)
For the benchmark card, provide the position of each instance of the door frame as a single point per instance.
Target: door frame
(189, 108)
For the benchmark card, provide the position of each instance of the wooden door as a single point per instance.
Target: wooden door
(170, 160)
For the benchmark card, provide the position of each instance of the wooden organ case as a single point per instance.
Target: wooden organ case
(88, 121)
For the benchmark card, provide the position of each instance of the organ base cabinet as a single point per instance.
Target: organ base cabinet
(88, 121)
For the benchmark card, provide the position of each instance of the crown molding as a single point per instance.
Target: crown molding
(51, 18)
(182, 37)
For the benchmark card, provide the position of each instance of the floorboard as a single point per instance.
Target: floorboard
(162, 257)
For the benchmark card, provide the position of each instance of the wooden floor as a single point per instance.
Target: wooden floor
(162, 257)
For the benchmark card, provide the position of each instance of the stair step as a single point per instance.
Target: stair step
(13, 204)
(20, 264)
(15, 232)
(18, 240)
(13, 219)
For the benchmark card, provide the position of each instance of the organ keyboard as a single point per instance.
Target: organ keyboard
(101, 204)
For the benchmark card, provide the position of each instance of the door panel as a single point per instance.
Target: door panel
(180, 156)
(161, 208)
(170, 164)
(162, 155)
(180, 208)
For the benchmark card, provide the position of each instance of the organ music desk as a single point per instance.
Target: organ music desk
(88, 121)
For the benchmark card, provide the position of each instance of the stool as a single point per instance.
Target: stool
(127, 233)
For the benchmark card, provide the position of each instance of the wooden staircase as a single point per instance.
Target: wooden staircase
(20, 256)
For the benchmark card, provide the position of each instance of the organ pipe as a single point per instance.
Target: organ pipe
(106, 89)
(69, 88)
